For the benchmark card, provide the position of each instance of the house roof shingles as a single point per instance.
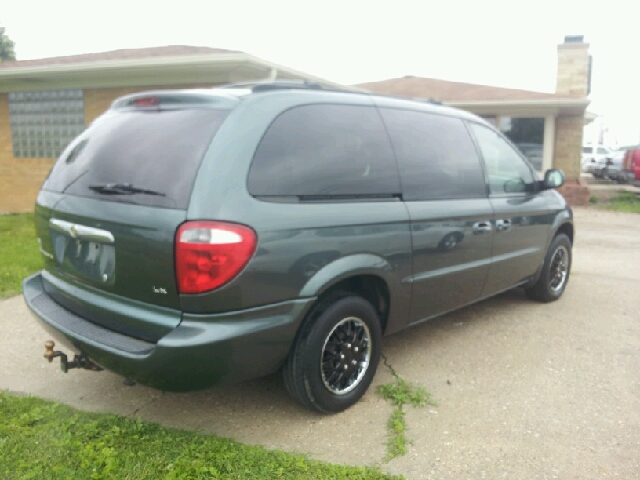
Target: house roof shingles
(123, 54)
(445, 91)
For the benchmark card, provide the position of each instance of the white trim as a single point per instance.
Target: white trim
(549, 142)
(548, 102)
(77, 67)
(524, 108)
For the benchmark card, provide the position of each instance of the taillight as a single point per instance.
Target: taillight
(210, 254)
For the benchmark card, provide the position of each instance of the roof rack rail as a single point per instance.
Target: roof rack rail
(269, 85)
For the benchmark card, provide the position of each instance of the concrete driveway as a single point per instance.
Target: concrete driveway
(524, 390)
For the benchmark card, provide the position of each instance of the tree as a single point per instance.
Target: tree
(6, 47)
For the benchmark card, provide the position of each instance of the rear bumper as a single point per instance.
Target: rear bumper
(204, 350)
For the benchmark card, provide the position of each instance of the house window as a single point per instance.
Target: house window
(528, 135)
(43, 123)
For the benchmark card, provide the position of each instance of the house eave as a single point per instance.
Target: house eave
(152, 71)
(525, 107)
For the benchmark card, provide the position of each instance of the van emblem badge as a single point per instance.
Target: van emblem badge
(159, 290)
(73, 231)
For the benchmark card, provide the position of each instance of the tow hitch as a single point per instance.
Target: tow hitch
(79, 361)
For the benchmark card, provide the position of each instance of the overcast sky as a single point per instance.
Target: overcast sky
(503, 43)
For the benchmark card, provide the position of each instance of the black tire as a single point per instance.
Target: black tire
(304, 367)
(550, 286)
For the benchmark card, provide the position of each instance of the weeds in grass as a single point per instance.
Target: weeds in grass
(625, 202)
(401, 393)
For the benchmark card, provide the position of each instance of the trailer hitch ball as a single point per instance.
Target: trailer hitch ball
(79, 361)
(48, 350)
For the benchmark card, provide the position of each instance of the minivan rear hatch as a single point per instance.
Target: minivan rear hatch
(108, 212)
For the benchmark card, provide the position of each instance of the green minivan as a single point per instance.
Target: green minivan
(197, 237)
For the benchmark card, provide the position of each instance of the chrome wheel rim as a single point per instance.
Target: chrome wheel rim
(558, 269)
(345, 356)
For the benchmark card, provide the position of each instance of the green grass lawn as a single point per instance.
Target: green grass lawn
(19, 254)
(45, 440)
(625, 202)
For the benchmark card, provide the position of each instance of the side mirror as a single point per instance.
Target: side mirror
(553, 178)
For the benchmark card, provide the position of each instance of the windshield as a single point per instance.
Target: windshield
(587, 150)
(147, 157)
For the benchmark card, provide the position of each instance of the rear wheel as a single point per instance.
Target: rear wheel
(336, 354)
(555, 271)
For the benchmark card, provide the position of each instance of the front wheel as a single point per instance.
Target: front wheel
(335, 355)
(555, 271)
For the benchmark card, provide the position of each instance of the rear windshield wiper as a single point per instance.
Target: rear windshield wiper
(122, 189)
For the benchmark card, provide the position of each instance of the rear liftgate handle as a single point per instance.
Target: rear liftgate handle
(480, 228)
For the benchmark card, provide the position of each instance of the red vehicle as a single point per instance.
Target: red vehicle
(631, 166)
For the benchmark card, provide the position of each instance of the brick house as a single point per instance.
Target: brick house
(548, 127)
(45, 103)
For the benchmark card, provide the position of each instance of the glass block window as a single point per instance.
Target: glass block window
(43, 123)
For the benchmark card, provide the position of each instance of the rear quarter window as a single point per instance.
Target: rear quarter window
(436, 156)
(325, 151)
(154, 150)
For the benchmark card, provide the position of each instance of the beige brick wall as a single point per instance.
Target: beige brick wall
(21, 178)
(568, 145)
(573, 69)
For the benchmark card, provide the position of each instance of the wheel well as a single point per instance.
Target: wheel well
(370, 287)
(567, 229)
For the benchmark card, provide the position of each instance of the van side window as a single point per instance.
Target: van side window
(325, 151)
(436, 156)
(508, 172)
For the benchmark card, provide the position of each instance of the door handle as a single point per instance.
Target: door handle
(481, 227)
(503, 225)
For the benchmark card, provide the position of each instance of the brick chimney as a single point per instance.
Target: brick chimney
(574, 72)
(574, 65)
